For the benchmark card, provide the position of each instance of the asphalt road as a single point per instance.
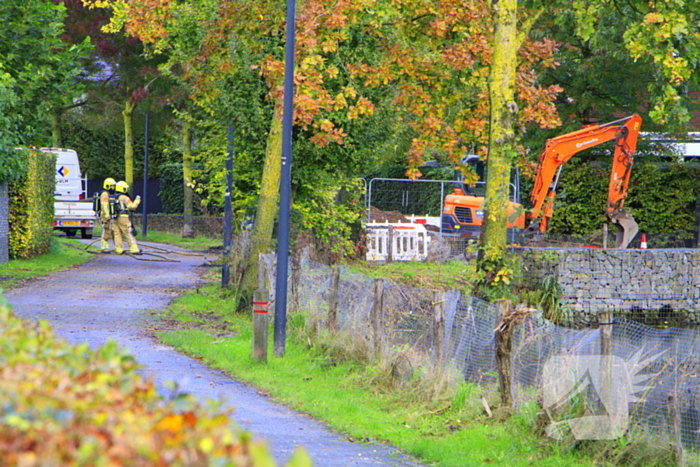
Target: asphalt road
(114, 297)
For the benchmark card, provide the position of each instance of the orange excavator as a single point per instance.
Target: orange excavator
(463, 211)
(559, 150)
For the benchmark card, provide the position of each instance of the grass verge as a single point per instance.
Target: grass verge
(448, 429)
(64, 253)
(455, 274)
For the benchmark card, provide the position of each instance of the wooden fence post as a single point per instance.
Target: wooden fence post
(504, 309)
(605, 235)
(333, 299)
(261, 323)
(377, 310)
(606, 363)
(439, 326)
(296, 276)
(390, 244)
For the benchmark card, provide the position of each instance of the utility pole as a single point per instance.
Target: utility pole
(280, 337)
(225, 270)
(144, 219)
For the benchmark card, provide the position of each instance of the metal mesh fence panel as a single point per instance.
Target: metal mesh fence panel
(652, 376)
(407, 317)
(471, 346)
(419, 197)
(654, 373)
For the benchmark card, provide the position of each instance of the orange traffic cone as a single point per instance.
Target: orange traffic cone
(643, 246)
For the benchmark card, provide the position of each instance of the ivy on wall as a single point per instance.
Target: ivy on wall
(31, 206)
(662, 196)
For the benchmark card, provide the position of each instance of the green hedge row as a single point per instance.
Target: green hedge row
(663, 197)
(172, 189)
(32, 206)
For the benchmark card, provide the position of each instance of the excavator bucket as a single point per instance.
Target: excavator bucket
(627, 227)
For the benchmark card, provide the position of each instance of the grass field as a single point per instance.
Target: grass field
(437, 423)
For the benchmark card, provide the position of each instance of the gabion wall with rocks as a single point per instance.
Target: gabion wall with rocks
(650, 286)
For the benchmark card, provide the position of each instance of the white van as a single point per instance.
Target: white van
(69, 180)
(72, 208)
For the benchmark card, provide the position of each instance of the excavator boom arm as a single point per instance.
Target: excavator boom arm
(561, 149)
(623, 159)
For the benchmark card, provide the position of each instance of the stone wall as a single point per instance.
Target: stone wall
(656, 286)
(4, 223)
(211, 227)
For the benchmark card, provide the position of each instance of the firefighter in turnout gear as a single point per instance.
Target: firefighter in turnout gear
(122, 224)
(105, 207)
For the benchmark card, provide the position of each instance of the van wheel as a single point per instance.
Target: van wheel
(71, 233)
(86, 233)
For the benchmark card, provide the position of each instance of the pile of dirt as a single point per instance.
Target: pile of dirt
(394, 217)
(390, 217)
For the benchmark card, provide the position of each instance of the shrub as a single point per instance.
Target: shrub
(31, 207)
(68, 405)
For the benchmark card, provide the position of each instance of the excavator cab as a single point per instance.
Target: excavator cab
(463, 213)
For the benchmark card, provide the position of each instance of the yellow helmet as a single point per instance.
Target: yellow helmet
(108, 183)
(122, 187)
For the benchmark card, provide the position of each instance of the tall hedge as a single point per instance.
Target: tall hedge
(31, 206)
(662, 196)
(172, 188)
(11, 164)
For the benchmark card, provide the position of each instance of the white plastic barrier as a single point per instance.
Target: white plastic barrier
(398, 242)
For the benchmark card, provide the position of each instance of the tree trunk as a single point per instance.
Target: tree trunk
(187, 231)
(501, 134)
(128, 113)
(261, 238)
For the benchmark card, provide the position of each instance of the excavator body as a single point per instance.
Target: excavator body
(463, 209)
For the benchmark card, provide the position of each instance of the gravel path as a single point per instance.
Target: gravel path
(113, 297)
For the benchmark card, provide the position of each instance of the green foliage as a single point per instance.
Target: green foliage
(331, 213)
(660, 37)
(546, 298)
(496, 275)
(11, 163)
(662, 196)
(598, 76)
(69, 405)
(581, 198)
(101, 151)
(172, 189)
(31, 206)
(42, 66)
